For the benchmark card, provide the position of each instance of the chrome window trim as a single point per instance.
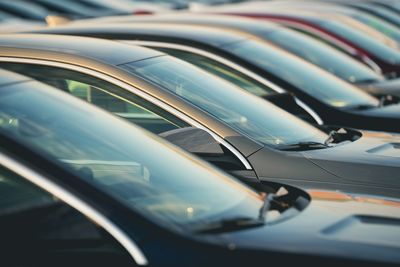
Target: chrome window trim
(76, 203)
(136, 91)
(231, 64)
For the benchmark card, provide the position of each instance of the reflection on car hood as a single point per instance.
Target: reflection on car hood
(372, 159)
(336, 225)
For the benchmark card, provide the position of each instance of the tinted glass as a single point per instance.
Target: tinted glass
(247, 113)
(387, 52)
(383, 12)
(382, 26)
(308, 78)
(323, 56)
(104, 95)
(222, 71)
(135, 167)
(37, 226)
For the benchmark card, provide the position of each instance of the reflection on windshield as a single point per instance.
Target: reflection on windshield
(124, 161)
(243, 111)
(381, 25)
(323, 56)
(387, 51)
(227, 73)
(308, 78)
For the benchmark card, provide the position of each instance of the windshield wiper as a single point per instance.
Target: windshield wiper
(303, 146)
(361, 107)
(230, 225)
(271, 201)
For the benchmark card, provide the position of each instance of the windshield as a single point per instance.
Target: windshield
(244, 112)
(306, 77)
(323, 56)
(222, 71)
(381, 25)
(385, 13)
(139, 169)
(388, 52)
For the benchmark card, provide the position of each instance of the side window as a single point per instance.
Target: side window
(37, 229)
(116, 100)
(104, 95)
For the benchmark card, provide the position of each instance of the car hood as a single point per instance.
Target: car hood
(373, 159)
(333, 225)
(386, 87)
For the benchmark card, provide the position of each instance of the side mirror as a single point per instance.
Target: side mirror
(194, 140)
(288, 102)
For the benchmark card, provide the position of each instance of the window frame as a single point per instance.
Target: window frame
(76, 203)
(223, 61)
(147, 97)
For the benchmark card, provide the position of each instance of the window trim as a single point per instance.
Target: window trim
(135, 91)
(75, 202)
(230, 64)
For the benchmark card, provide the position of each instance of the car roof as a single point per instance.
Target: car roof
(110, 52)
(243, 23)
(159, 31)
(9, 77)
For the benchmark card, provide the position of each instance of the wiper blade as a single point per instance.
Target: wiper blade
(271, 201)
(303, 146)
(361, 107)
(230, 225)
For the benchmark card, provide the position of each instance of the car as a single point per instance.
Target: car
(333, 100)
(126, 6)
(389, 4)
(74, 10)
(24, 10)
(299, 44)
(370, 20)
(80, 186)
(336, 29)
(225, 125)
(381, 11)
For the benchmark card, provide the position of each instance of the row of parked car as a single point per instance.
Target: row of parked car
(253, 133)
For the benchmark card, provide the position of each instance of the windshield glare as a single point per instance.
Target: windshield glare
(123, 161)
(244, 112)
(303, 75)
(221, 70)
(323, 56)
(388, 51)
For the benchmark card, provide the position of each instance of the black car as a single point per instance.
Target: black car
(78, 190)
(335, 101)
(316, 52)
(225, 125)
